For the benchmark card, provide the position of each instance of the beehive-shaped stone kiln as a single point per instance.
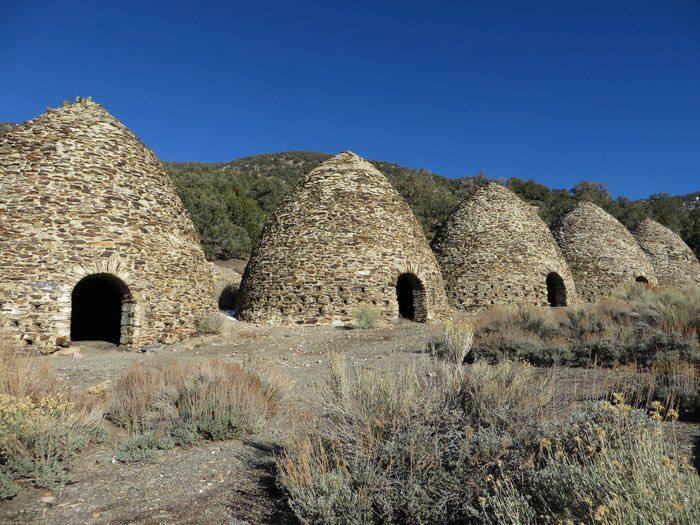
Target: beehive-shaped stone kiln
(342, 239)
(601, 252)
(674, 262)
(94, 242)
(495, 250)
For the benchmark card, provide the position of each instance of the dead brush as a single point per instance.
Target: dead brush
(674, 385)
(24, 375)
(454, 343)
(182, 401)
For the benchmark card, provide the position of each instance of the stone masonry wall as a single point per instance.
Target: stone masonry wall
(601, 252)
(674, 262)
(495, 250)
(79, 195)
(339, 240)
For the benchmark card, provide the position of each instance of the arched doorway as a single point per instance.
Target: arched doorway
(98, 304)
(641, 279)
(556, 290)
(410, 295)
(227, 298)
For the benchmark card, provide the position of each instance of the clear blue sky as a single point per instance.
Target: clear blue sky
(557, 91)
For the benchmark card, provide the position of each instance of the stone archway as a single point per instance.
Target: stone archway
(556, 290)
(641, 279)
(410, 295)
(101, 309)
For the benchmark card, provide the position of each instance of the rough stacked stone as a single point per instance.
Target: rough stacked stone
(495, 250)
(601, 252)
(340, 240)
(674, 262)
(81, 195)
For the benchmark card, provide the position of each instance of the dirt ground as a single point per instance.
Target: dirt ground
(229, 482)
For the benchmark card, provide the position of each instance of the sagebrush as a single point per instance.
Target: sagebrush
(177, 403)
(438, 443)
(42, 424)
(637, 325)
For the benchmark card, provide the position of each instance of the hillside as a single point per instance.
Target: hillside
(230, 201)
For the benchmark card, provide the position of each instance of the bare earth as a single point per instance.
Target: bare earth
(229, 482)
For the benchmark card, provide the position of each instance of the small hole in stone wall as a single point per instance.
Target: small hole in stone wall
(642, 279)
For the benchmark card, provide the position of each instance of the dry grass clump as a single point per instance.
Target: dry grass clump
(367, 316)
(42, 424)
(452, 445)
(637, 325)
(210, 324)
(674, 385)
(412, 445)
(176, 404)
(455, 342)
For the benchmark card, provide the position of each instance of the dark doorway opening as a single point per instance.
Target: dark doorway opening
(556, 290)
(642, 279)
(227, 298)
(97, 306)
(410, 295)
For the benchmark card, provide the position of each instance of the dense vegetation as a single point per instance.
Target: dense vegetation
(445, 444)
(230, 201)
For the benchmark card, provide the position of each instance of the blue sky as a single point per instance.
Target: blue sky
(557, 91)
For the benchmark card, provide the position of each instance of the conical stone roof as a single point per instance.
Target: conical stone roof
(340, 240)
(601, 252)
(495, 250)
(674, 262)
(81, 195)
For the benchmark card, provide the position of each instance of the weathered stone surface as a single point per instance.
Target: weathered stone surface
(674, 262)
(495, 250)
(341, 239)
(81, 195)
(601, 252)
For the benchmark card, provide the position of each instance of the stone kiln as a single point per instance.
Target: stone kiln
(601, 252)
(342, 239)
(674, 262)
(495, 250)
(94, 242)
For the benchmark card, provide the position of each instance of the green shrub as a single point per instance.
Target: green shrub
(183, 401)
(367, 316)
(38, 439)
(142, 447)
(42, 425)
